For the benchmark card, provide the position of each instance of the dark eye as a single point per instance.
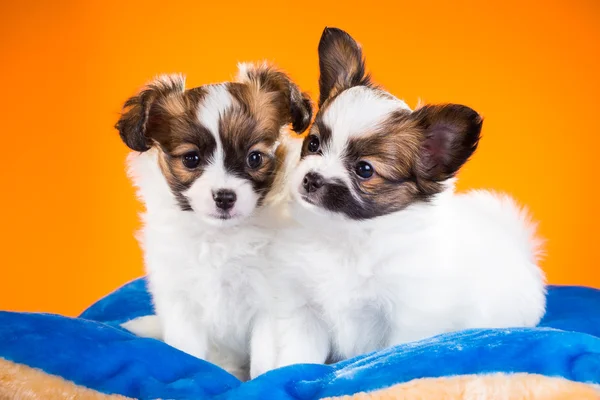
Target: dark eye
(364, 170)
(255, 159)
(313, 143)
(191, 160)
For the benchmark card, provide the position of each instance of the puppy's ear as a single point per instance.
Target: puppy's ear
(341, 64)
(276, 91)
(144, 115)
(450, 136)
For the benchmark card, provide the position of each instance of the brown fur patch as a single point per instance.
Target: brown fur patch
(134, 121)
(406, 167)
(451, 136)
(392, 150)
(273, 97)
(174, 105)
(20, 382)
(176, 134)
(341, 64)
(283, 168)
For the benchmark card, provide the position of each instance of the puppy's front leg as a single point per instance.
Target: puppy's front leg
(182, 329)
(263, 345)
(231, 361)
(302, 337)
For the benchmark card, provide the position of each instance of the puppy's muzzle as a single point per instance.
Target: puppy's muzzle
(224, 199)
(312, 182)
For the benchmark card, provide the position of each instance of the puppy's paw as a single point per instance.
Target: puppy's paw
(239, 372)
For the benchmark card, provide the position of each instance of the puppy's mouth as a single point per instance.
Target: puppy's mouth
(309, 201)
(223, 216)
(305, 197)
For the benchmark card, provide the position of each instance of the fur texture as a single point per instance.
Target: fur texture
(388, 253)
(208, 176)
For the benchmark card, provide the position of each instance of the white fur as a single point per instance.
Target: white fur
(356, 110)
(244, 69)
(147, 326)
(346, 287)
(463, 261)
(208, 282)
(218, 100)
(215, 178)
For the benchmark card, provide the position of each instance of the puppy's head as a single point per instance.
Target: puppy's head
(367, 154)
(217, 144)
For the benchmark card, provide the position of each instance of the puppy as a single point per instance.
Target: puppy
(208, 165)
(384, 251)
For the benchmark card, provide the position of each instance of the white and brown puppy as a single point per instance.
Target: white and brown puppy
(208, 164)
(385, 252)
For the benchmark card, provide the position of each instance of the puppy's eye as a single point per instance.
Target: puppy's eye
(254, 160)
(313, 143)
(191, 160)
(364, 170)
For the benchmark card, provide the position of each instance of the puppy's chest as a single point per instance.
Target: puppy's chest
(225, 277)
(350, 273)
(368, 274)
(228, 301)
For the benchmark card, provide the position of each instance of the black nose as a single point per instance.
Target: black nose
(312, 182)
(224, 199)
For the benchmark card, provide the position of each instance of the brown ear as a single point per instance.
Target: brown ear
(450, 136)
(142, 115)
(292, 105)
(341, 64)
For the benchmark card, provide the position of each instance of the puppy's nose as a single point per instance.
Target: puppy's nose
(312, 182)
(224, 199)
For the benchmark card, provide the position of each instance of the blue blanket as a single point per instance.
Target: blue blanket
(94, 352)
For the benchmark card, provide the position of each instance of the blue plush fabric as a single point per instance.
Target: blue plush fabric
(96, 355)
(573, 308)
(100, 357)
(130, 301)
(544, 351)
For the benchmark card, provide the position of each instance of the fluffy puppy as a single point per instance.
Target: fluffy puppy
(385, 252)
(208, 164)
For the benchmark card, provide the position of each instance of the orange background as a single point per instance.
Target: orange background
(69, 213)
